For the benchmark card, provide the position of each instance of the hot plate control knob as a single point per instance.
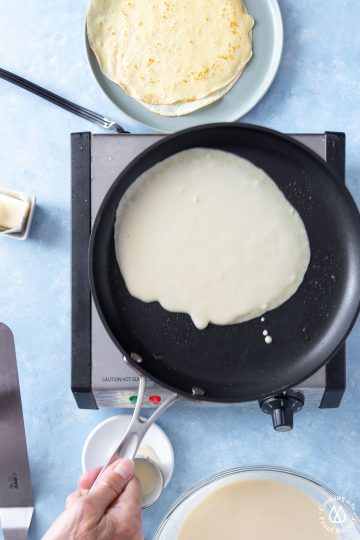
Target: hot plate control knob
(282, 408)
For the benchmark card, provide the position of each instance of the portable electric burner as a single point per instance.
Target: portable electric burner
(100, 376)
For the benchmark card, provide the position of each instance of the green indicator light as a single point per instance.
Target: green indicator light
(133, 399)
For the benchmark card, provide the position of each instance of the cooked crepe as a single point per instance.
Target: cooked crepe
(186, 107)
(163, 52)
(208, 233)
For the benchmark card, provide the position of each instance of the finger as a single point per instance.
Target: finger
(73, 497)
(125, 512)
(111, 484)
(131, 496)
(88, 478)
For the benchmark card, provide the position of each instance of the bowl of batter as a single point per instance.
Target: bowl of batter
(260, 502)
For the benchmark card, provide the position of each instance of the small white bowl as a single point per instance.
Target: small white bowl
(32, 202)
(104, 438)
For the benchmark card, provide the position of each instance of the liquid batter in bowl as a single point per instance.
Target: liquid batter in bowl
(255, 510)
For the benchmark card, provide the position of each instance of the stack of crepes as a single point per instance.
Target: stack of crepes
(173, 56)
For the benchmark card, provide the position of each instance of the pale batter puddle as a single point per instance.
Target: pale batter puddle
(256, 510)
(147, 475)
(208, 233)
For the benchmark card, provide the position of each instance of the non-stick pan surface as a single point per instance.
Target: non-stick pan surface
(233, 363)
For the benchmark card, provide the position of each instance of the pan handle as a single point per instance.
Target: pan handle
(137, 428)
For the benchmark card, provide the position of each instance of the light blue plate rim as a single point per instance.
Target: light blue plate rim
(254, 82)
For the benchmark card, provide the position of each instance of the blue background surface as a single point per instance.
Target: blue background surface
(316, 89)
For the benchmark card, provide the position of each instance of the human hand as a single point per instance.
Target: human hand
(110, 511)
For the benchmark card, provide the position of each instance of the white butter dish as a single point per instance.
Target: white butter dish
(23, 232)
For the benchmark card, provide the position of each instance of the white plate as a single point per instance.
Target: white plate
(103, 439)
(247, 92)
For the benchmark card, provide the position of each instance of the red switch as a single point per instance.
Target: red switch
(155, 399)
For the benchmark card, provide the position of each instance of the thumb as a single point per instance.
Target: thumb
(111, 484)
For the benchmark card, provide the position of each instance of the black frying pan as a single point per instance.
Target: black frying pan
(233, 363)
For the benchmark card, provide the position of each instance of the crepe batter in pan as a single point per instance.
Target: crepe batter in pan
(205, 232)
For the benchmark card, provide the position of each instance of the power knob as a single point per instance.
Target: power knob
(282, 408)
